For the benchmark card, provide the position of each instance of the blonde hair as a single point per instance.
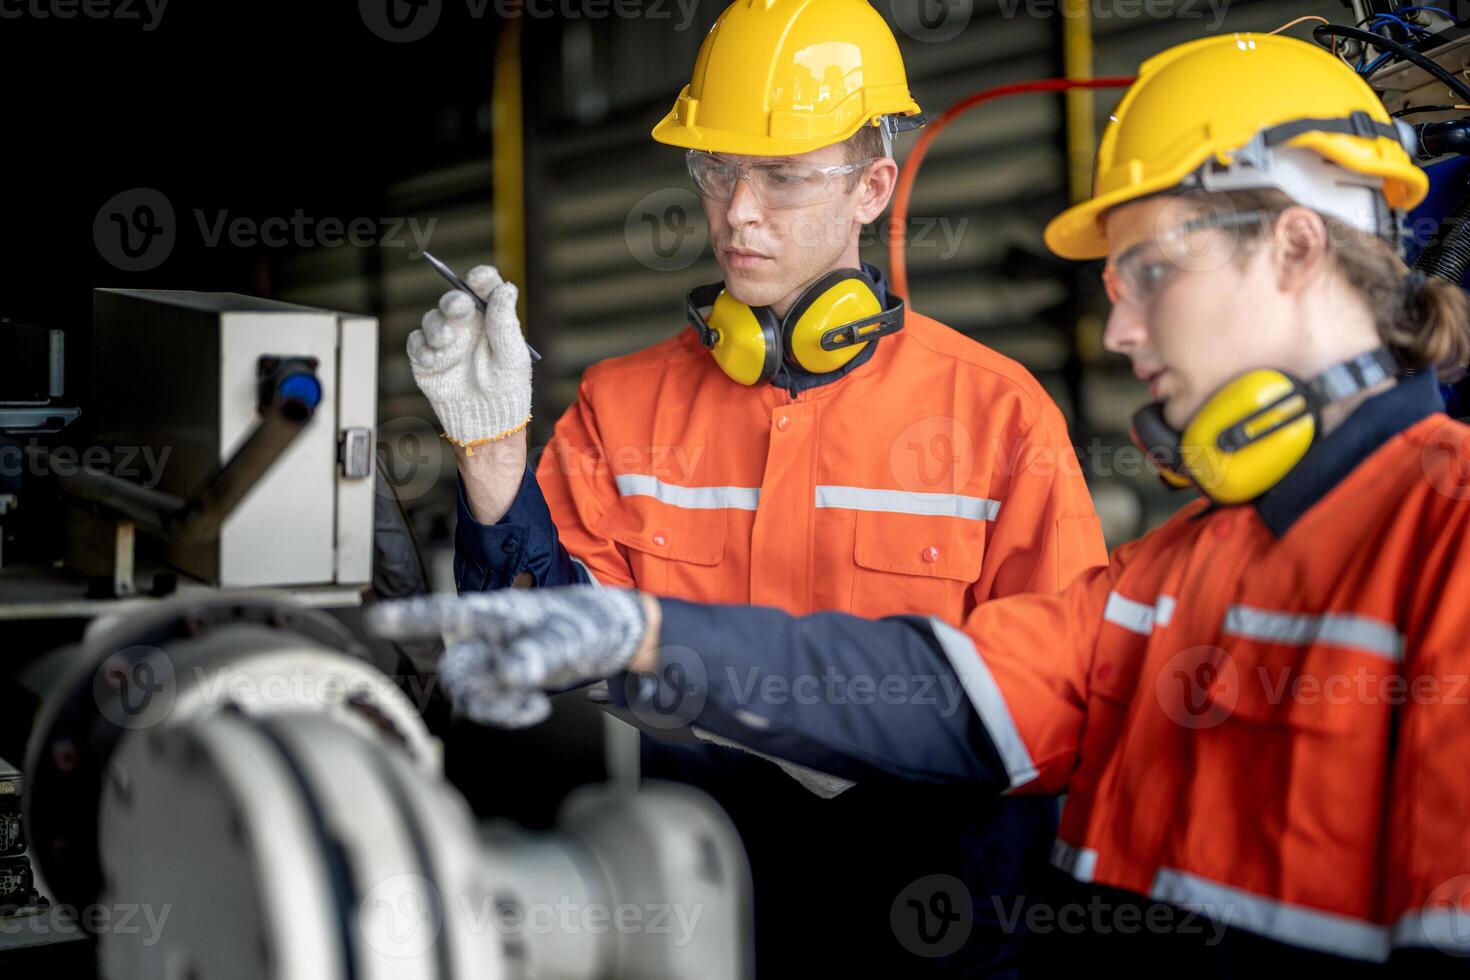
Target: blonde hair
(1424, 320)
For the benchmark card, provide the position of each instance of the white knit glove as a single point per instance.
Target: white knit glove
(503, 648)
(475, 370)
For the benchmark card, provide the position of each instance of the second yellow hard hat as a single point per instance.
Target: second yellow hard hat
(1208, 101)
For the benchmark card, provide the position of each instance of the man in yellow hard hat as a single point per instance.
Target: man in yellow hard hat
(808, 444)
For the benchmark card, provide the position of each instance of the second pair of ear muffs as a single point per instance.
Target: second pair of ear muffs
(1251, 432)
(830, 324)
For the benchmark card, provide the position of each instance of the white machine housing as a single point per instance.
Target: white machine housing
(177, 374)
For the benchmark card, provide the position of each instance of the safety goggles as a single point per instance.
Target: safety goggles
(1144, 271)
(776, 183)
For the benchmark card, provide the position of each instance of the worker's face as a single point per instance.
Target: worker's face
(1205, 306)
(768, 255)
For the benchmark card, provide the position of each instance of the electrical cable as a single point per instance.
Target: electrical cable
(898, 231)
(1402, 50)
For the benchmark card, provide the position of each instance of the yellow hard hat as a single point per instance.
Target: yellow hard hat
(1229, 101)
(783, 77)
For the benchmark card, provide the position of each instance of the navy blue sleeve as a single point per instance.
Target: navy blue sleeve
(490, 556)
(853, 697)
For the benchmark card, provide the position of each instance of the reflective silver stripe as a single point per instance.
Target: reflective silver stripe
(590, 577)
(1164, 610)
(690, 498)
(909, 502)
(1294, 925)
(989, 703)
(1139, 617)
(1079, 862)
(1445, 929)
(1301, 629)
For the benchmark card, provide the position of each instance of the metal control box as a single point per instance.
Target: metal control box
(177, 385)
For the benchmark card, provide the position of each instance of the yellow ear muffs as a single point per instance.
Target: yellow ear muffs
(745, 340)
(1249, 435)
(1251, 432)
(830, 310)
(829, 325)
(1160, 442)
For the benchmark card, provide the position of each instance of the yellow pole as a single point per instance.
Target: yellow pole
(1081, 125)
(1081, 138)
(507, 157)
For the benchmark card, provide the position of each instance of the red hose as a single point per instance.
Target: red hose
(898, 233)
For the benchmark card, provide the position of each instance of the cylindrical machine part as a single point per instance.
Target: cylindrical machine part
(311, 851)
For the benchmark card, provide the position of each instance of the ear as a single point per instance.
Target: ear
(875, 189)
(1302, 248)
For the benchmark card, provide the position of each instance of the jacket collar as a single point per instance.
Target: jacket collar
(1332, 458)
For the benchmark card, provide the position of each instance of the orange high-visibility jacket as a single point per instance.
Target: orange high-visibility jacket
(935, 476)
(1260, 713)
(1271, 723)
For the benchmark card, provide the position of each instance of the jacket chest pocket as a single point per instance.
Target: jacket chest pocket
(1299, 736)
(672, 551)
(915, 564)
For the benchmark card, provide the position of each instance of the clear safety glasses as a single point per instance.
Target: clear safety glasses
(776, 183)
(1145, 270)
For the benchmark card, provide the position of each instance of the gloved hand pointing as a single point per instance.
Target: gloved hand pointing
(475, 370)
(503, 648)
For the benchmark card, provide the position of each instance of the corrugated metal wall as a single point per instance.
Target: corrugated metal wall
(616, 232)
